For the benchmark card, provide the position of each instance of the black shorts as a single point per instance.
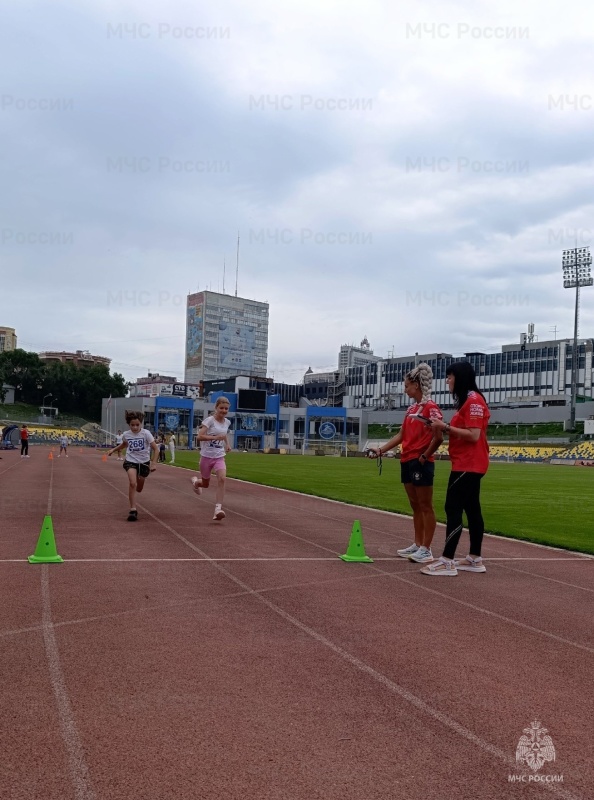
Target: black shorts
(417, 472)
(143, 470)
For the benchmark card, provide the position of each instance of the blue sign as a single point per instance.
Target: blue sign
(172, 421)
(327, 430)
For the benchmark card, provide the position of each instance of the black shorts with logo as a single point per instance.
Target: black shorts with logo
(143, 470)
(419, 473)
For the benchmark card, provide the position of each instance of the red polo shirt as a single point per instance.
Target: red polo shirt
(470, 456)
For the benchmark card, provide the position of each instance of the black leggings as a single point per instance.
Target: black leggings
(24, 447)
(463, 495)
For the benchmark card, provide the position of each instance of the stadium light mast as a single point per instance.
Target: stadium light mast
(576, 273)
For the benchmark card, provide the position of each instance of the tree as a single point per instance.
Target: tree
(25, 371)
(74, 390)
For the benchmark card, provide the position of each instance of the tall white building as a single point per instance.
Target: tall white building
(225, 336)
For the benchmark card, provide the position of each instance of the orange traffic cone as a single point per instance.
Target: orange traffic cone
(104, 458)
(51, 455)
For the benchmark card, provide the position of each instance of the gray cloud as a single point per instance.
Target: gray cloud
(411, 188)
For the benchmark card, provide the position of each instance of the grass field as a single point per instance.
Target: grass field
(540, 503)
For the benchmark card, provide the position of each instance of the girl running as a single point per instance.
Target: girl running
(138, 462)
(469, 454)
(417, 467)
(214, 445)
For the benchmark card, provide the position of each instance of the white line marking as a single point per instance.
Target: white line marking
(51, 490)
(186, 603)
(547, 578)
(393, 575)
(164, 560)
(500, 538)
(79, 772)
(585, 559)
(12, 466)
(379, 677)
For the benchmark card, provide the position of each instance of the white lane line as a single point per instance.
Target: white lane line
(500, 539)
(547, 578)
(394, 575)
(571, 554)
(379, 677)
(12, 466)
(79, 771)
(189, 602)
(585, 558)
(160, 560)
(50, 494)
(357, 663)
(396, 559)
(489, 613)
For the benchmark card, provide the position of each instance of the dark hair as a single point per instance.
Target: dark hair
(130, 415)
(464, 381)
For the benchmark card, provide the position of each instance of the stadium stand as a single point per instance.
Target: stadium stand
(374, 444)
(581, 450)
(41, 434)
(518, 452)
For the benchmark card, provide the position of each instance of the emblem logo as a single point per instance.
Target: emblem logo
(327, 430)
(172, 421)
(535, 747)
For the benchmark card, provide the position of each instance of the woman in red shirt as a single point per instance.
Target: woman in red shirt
(24, 441)
(469, 454)
(418, 443)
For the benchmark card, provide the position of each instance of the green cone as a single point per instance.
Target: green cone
(356, 549)
(45, 552)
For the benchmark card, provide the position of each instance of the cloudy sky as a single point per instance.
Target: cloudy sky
(406, 171)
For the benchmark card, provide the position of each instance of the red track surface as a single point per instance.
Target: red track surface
(180, 658)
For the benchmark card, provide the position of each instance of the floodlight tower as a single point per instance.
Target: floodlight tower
(576, 273)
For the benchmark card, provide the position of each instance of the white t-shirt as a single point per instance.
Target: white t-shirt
(63, 441)
(139, 446)
(119, 438)
(216, 447)
(172, 442)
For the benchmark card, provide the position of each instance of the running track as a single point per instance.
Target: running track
(181, 658)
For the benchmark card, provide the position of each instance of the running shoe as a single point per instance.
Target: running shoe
(132, 515)
(422, 556)
(219, 513)
(196, 483)
(408, 551)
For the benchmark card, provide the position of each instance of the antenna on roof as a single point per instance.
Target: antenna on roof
(237, 265)
(223, 276)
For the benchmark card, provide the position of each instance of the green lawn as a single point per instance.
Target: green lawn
(538, 502)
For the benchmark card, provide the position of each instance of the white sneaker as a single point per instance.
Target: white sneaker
(469, 564)
(441, 567)
(408, 550)
(219, 513)
(197, 484)
(422, 556)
